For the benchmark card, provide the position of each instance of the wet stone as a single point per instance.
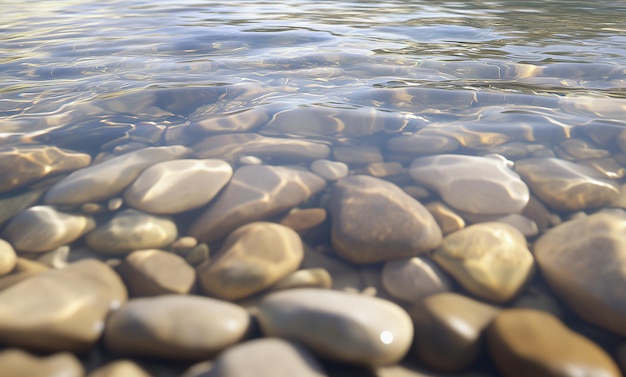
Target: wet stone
(156, 272)
(57, 258)
(44, 228)
(13, 204)
(71, 305)
(584, 261)
(17, 363)
(303, 219)
(238, 121)
(580, 149)
(526, 342)
(448, 330)
(422, 143)
(480, 185)
(20, 166)
(608, 167)
(316, 318)
(448, 220)
(107, 179)
(255, 193)
(24, 269)
(175, 327)
(490, 260)
(252, 258)
(8, 258)
(305, 278)
(566, 186)
(178, 186)
(120, 368)
(384, 169)
(375, 221)
(355, 155)
(413, 279)
(329, 170)
(130, 230)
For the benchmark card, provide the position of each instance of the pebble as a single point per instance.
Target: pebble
(109, 178)
(237, 121)
(24, 269)
(305, 278)
(20, 166)
(266, 357)
(422, 143)
(375, 221)
(8, 258)
(130, 230)
(198, 254)
(566, 186)
(44, 228)
(71, 305)
(119, 368)
(14, 203)
(156, 272)
(185, 243)
(57, 258)
(317, 318)
(480, 185)
(329, 170)
(17, 363)
(302, 220)
(448, 330)
(584, 261)
(177, 186)
(255, 193)
(355, 155)
(384, 169)
(448, 220)
(413, 279)
(252, 258)
(175, 327)
(526, 342)
(490, 260)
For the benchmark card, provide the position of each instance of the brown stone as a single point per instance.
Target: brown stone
(17, 363)
(119, 368)
(413, 279)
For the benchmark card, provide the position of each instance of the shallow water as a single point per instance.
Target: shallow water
(516, 78)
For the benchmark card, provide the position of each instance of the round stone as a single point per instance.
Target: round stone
(175, 327)
(448, 220)
(17, 363)
(8, 258)
(302, 220)
(329, 170)
(340, 326)
(413, 279)
(177, 186)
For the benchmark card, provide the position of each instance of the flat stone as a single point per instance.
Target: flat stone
(413, 279)
(332, 324)
(355, 155)
(329, 170)
(301, 220)
(422, 143)
(44, 228)
(266, 357)
(490, 260)
(120, 368)
(20, 166)
(448, 220)
(448, 330)
(255, 193)
(252, 258)
(526, 342)
(8, 258)
(130, 230)
(71, 305)
(566, 186)
(17, 363)
(156, 272)
(481, 185)
(109, 178)
(177, 186)
(175, 327)
(375, 221)
(305, 278)
(583, 261)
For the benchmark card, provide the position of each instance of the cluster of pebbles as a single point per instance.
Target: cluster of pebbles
(444, 250)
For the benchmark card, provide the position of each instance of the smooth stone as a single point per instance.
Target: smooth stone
(24, 269)
(305, 278)
(232, 146)
(490, 260)
(57, 258)
(156, 272)
(375, 221)
(255, 193)
(448, 330)
(413, 279)
(422, 143)
(384, 169)
(266, 357)
(566, 186)
(185, 243)
(236, 121)
(8, 258)
(344, 275)
(580, 149)
(302, 220)
(607, 167)
(480, 185)
(198, 254)
(448, 220)
(252, 258)
(114, 204)
(44, 228)
(318, 318)
(109, 178)
(249, 160)
(177, 186)
(14, 203)
(71, 306)
(538, 213)
(22, 165)
(175, 327)
(584, 261)
(516, 220)
(120, 368)
(17, 363)
(130, 230)
(357, 154)
(526, 342)
(329, 170)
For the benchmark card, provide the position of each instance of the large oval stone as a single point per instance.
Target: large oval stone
(527, 342)
(375, 221)
(480, 185)
(177, 186)
(340, 326)
(252, 258)
(584, 261)
(175, 327)
(60, 310)
(490, 260)
(255, 193)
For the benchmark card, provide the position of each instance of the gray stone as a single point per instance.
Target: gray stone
(413, 279)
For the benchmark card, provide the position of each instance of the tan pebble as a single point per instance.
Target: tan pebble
(24, 269)
(329, 170)
(17, 363)
(355, 155)
(92, 208)
(305, 278)
(185, 243)
(8, 258)
(384, 169)
(538, 213)
(250, 160)
(56, 258)
(448, 220)
(120, 368)
(413, 279)
(303, 219)
(417, 192)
